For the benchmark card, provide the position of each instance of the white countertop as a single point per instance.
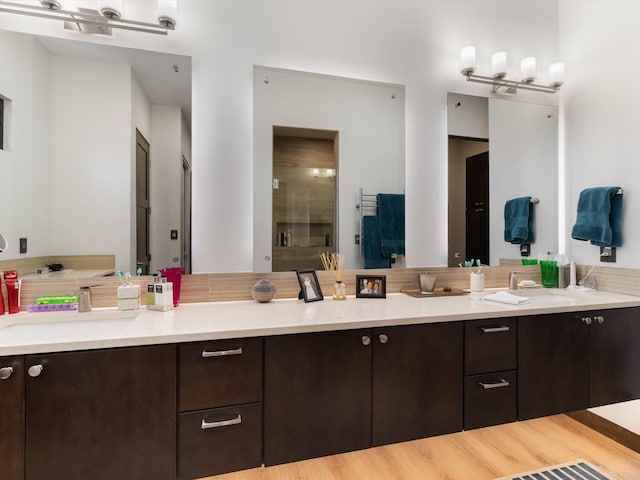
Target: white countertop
(27, 333)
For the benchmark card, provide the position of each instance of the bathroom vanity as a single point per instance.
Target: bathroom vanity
(216, 387)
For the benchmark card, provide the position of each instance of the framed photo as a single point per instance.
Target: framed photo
(309, 287)
(371, 286)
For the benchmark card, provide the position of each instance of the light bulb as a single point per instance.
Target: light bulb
(556, 74)
(528, 69)
(499, 64)
(468, 60)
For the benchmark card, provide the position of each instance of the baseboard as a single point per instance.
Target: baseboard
(607, 428)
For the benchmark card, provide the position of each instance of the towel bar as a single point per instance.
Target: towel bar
(534, 200)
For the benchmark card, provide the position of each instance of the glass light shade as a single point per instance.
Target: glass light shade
(315, 172)
(468, 60)
(528, 69)
(499, 64)
(167, 12)
(556, 74)
(111, 8)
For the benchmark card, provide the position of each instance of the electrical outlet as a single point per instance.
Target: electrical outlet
(608, 254)
(357, 239)
(174, 234)
(23, 245)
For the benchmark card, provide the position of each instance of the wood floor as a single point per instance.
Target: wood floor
(482, 454)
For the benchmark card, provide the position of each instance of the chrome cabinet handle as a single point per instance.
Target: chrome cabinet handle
(501, 328)
(599, 319)
(221, 353)
(365, 340)
(5, 372)
(35, 370)
(222, 423)
(383, 338)
(501, 383)
(586, 320)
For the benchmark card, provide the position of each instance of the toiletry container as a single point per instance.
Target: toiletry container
(263, 291)
(84, 299)
(128, 297)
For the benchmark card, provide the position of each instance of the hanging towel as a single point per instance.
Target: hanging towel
(598, 217)
(371, 243)
(518, 221)
(391, 218)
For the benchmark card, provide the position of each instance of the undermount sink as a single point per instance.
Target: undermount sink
(547, 298)
(95, 321)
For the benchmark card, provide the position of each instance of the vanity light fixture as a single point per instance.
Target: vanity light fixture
(498, 78)
(100, 21)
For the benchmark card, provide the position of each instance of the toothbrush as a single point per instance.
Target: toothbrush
(128, 278)
(121, 277)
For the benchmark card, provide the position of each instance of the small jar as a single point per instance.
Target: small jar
(339, 291)
(263, 291)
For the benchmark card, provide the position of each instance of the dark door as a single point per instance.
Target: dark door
(103, 415)
(477, 218)
(317, 397)
(553, 364)
(143, 209)
(12, 423)
(615, 356)
(417, 381)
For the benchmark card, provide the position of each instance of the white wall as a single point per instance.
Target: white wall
(166, 183)
(524, 162)
(25, 80)
(405, 42)
(369, 118)
(91, 139)
(600, 106)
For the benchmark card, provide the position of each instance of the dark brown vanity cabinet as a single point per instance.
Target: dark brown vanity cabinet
(334, 392)
(220, 409)
(417, 391)
(614, 367)
(12, 423)
(101, 414)
(490, 382)
(572, 361)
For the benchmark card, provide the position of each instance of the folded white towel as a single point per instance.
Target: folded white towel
(506, 297)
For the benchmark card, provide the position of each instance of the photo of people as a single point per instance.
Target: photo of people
(371, 286)
(309, 286)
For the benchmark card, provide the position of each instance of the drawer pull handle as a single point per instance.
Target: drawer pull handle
(222, 423)
(221, 353)
(499, 384)
(5, 372)
(501, 328)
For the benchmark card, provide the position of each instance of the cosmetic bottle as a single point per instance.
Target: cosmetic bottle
(13, 290)
(1, 299)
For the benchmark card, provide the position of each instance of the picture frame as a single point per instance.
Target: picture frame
(371, 286)
(310, 289)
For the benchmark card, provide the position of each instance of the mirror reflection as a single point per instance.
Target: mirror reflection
(99, 143)
(364, 120)
(499, 150)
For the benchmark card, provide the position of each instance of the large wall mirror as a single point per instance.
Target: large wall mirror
(76, 116)
(498, 150)
(361, 125)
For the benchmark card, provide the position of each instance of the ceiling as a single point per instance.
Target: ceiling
(155, 71)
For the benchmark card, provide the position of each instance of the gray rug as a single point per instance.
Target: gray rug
(576, 470)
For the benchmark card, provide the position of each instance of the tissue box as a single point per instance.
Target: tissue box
(128, 297)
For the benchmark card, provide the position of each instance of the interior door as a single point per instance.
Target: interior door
(143, 209)
(477, 216)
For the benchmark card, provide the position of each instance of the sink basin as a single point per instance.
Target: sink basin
(548, 298)
(94, 322)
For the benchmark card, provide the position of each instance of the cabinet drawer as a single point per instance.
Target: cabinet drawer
(219, 373)
(490, 345)
(490, 399)
(219, 440)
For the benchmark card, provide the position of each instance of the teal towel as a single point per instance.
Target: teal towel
(518, 221)
(371, 244)
(598, 217)
(391, 217)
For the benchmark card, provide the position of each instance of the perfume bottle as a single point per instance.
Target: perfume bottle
(339, 290)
